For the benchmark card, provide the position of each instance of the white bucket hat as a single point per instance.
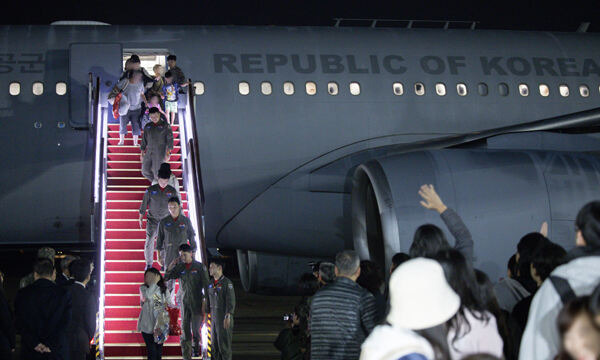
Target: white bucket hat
(123, 105)
(420, 296)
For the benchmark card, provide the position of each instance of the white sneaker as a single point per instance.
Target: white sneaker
(121, 142)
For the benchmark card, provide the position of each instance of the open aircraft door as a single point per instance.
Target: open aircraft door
(103, 60)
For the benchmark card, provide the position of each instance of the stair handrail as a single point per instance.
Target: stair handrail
(192, 148)
(95, 193)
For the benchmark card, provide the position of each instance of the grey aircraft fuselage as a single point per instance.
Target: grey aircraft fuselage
(265, 158)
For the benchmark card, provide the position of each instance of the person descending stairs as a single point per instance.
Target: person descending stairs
(124, 251)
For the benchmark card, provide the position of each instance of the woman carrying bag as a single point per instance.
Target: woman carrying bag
(153, 322)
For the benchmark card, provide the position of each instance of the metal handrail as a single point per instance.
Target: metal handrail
(196, 173)
(94, 98)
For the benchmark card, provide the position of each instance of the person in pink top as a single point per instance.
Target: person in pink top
(473, 330)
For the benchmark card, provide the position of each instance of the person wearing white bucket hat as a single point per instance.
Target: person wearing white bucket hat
(420, 298)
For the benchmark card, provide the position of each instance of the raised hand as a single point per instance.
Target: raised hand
(544, 229)
(431, 200)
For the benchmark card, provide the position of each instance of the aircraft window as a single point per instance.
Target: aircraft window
(461, 89)
(523, 90)
(311, 88)
(420, 89)
(354, 88)
(244, 88)
(288, 88)
(332, 88)
(199, 88)
(14, 88)
(440, 89)
(584, 91)
(564, 90)
(503, 89)
(266, 88)
(61, 88)
(398, 89)
(37, 88)
(544, 90)
(482, 89)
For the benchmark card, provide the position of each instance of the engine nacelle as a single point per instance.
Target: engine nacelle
(271, 274)
(500, 195)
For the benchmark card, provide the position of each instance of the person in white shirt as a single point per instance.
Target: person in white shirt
(154, 298)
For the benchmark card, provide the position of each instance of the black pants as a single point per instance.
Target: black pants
(154, 349)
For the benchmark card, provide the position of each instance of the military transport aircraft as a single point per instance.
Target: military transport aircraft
(301, 142)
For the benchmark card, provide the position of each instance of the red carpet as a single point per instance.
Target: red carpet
(124, 266)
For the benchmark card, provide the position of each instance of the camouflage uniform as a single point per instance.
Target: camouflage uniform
(222, 301)
(193, 283)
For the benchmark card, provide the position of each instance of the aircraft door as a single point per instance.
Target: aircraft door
(103, 60)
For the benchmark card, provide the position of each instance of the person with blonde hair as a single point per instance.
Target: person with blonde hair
(159, 80)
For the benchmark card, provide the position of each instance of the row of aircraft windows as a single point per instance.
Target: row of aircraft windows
(398, 89)
(266, 88)
(37, 88)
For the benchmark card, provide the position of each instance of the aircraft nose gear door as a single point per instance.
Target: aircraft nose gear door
(103, 60)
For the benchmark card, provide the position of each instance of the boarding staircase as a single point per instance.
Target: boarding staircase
(121, 187)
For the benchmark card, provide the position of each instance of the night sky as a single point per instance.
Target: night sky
(548, 15)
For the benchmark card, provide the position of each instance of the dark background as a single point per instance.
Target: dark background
(561, 15)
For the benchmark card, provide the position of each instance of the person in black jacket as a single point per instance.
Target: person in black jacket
(41, 310)
(7, 327)
(65, 278)
(83, 323)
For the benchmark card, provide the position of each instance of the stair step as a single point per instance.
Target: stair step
(135, 157)
(132, 337)
(136, 195)
(125, 277)
(130, 149)
(115, 127)
(126, 142)
(131, 181)
(138, 350)
(137, 164)
(135, 172)
(125, 244)
(115, 134)
(128, 213)
(127, 265)
(131, 204)
(121, 289)
(125, 254)
(122, 300)
(125, 234)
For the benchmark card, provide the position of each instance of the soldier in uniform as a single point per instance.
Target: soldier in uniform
(156, 201)
(193, 284)
(156, 146)
(173, 231)
(222, 306)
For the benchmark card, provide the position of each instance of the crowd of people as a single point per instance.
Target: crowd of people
(137, 93)
(54, 312)
(436, 305)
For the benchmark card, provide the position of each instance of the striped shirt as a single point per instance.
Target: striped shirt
(342, 316)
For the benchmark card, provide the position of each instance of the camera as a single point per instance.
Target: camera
(288, 317)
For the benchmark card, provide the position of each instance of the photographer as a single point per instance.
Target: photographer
(293, 341)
